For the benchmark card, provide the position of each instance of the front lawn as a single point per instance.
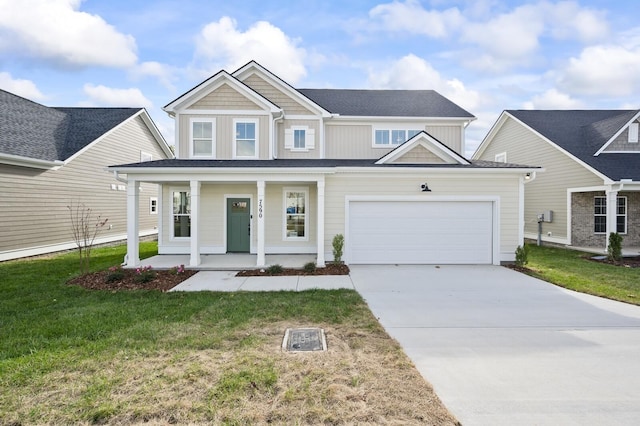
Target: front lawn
(70, 355)
(574, 270)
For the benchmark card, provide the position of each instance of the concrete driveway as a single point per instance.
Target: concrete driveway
(502, 348)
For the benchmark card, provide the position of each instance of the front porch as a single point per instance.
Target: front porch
(228, 262)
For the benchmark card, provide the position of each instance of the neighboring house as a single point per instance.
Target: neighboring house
(592, 172)
(265, 168)
(52, 157)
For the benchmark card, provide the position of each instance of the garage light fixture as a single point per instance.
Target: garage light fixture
(424, 187)
(527, 176)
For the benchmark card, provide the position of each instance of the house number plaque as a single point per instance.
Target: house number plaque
(260, 208)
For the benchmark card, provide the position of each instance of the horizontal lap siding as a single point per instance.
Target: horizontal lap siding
(549, 190)
(448, 135)
(281, 99)
(225, 98)
(339, 186)
(34, 212)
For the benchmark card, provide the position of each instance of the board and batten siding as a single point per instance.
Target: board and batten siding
(288, 153)
(505, 187)
(224, 135)
(275, 95)
(33, 211)
(549, 189)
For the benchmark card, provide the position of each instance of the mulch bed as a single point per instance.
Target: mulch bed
(163, 281)
(627, 262)
(329, 269)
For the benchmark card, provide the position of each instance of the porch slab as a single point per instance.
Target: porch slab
(229, 261)
(212, 281)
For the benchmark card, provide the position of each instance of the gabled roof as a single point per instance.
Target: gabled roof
(386, 103)
(582, 133)
(431, 144)
(34, 131)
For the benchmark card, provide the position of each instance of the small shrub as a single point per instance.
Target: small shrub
(144, 274)
(274, 269)
(338, 245)
(177, 270)
(522, 255)
(614, 251)
(116, 273)
(310, 267)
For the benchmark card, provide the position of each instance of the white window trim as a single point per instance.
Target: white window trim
(151, 209)
(501, 157)
(633, 133)
(213, 136)
(305, 190)
(626, 210)
(391, 127)
(289, 136)
(145, 156)
(172, 236)
(235, 141)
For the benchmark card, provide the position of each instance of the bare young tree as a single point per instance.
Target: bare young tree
(84, 230)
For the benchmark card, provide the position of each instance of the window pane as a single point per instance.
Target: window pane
(202, 147)
(202, 130)
(621, 225)
(299, 138)
(622, 205)
(246, 148)
(245, 130)
(181, 202)
(295, 213)
(382, 137)
(398, 137)
(182, 226)
(600, 205)
(600, 224)
(412, 133)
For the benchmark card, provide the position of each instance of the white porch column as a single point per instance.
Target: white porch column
(194, 259)
(320, 236)
(133, 232)
(612, 207)
(261, 261)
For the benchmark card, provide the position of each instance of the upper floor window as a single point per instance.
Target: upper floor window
(299, 138)
(145, 156)
(501, 158)
(633, 132)
(600, 215)
(384, 138)
(202, 138)
(245, 144)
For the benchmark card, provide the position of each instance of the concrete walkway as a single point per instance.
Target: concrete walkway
(502, 348)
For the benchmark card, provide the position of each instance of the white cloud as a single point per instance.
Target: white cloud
(164, 73)
(603, 70)
(412, 72)
(568, 20)
(411, 17)
(553, 99)
(222, 45)
(55, 30)
(106, 96)
(25, 88)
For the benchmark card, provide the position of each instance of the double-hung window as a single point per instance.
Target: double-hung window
(296, 223)
(384, 138)
(600, 215)
(245, 144)
(181, 212)
(202, 137)
(299, 138)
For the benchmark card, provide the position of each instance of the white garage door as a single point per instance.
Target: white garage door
(419, 232)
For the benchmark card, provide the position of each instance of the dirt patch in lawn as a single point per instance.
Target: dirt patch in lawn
(163, 280)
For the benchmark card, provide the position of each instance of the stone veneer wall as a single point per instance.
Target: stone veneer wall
(582, 222)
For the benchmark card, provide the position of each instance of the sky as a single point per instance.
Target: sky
(484, 55)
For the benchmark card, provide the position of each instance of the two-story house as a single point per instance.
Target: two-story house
(265, 168)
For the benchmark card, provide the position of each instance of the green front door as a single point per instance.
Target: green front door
(238, 225)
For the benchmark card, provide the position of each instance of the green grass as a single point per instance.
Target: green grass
(573, 270)
(51, 332)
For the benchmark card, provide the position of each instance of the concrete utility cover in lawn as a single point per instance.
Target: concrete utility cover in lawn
(304, 340)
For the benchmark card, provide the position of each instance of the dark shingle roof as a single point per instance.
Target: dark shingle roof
(32, 130)
(385, 103)
(582, 133)
(305, 163)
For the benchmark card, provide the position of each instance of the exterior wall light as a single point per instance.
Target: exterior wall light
(424, 187)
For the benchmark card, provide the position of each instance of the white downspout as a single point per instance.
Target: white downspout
(274, 136)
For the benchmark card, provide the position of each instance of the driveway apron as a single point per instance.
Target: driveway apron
(502, 348)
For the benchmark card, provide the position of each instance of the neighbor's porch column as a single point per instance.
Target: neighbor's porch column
(261, 261)
(320, 236)
(194, 259)
(612, 221)
(133, 232)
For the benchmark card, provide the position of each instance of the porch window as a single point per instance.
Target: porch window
(246, 140)
(202, 140)
(296, 222)
(600, 215)
(153, 205)
(392, 137)
(181, 212)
